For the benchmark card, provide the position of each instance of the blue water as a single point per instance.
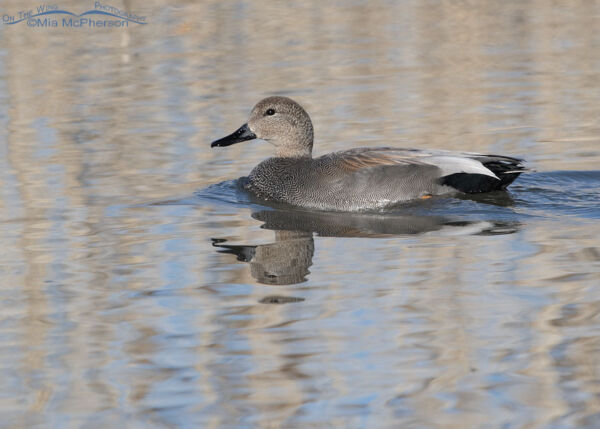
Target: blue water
(141, 288)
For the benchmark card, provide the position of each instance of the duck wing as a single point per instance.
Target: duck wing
(463, 171)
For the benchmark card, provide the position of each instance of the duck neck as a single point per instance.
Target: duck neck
(297, 145)
(293, 152)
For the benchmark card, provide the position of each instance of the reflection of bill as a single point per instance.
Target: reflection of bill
(286, 261)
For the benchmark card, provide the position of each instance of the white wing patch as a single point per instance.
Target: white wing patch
(454, 164)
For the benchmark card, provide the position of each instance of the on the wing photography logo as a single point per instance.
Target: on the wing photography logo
(51, 15)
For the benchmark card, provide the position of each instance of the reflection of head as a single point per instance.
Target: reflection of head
(283, 262)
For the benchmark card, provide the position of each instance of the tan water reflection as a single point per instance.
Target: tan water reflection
(119, 312)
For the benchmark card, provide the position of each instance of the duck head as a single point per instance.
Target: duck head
(280, 121)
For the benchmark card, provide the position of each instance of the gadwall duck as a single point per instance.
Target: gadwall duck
(360, 178)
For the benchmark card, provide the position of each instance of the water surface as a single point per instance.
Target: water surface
(141, 288)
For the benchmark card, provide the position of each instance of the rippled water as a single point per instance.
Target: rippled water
(141, 288)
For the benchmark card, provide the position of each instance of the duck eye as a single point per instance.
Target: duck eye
(271, 112)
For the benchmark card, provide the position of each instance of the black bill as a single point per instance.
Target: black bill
(241, 135)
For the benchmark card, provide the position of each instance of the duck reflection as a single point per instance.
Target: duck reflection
(287, 260)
